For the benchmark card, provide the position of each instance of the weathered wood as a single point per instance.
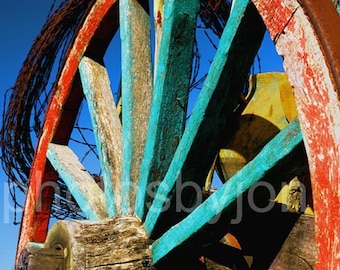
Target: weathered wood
(213, 113)
(305, 35)
(299, 249)
(171, 90)
(271, 156)
(114, 243)
(136, 92)
(36, 257)
(81, 184)
(107, 129)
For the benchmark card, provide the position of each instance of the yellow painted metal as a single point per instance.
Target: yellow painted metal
(271, 106)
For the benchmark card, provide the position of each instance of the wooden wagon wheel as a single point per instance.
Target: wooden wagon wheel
(155, 145)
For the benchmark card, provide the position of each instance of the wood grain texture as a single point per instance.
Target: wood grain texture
(114, 243)
(170, 98)
(136, 92)
(107, 129)
(80, 183)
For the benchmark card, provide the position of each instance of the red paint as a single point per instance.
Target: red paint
(307, 42)
(159, 18)
(38, 199)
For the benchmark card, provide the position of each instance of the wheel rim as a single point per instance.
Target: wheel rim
(69, 93)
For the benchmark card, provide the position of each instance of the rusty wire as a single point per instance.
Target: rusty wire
(26, 102)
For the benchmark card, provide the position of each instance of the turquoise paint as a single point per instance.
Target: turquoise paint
(270, 156)
(171, 89)
(127, 100)
(76, 191)
(87, 83)
(198, 114)
(136, 75)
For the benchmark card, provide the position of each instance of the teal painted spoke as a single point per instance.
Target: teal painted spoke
(79, 182)
(136, 92)
(171, 90)
(106, 127)
(213, 111)
(272, 155)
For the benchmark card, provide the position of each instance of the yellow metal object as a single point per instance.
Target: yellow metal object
(270, 107)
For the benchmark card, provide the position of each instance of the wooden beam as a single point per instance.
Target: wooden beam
(171, 90)
(136, 92)
(107, 129)
(272, 155)
(80, 183)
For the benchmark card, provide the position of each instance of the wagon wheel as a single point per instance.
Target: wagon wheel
(155, 145)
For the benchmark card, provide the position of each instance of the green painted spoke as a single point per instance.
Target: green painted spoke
(80, 183)
(171, 90)
(136, 92)
(271, 156)
(213, 111)
(106, 127)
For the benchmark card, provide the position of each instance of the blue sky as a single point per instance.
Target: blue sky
(20, 22)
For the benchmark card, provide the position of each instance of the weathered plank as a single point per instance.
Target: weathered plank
(80, 183)
(214, 109)
(136, 92)
(107, 129)
(169, 103)
(272, 155)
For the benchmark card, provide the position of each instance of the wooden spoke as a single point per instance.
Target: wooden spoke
(168, 111)
(215, 105)
(272, 155)
(136, 92)
(82, 186)
(107, 129)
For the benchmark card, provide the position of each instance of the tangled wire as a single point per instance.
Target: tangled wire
(26, 102)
